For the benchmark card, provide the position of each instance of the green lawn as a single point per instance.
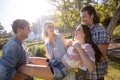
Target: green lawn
(0, 53)
(113, 69)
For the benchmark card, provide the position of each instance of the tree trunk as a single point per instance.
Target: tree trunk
(113, 21)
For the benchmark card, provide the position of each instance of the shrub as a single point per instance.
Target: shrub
(116, 34)
(40, 51)
(37, 51)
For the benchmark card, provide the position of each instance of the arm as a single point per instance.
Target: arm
(103, 48)
(103, 40)
(47, 54)
(87, 62)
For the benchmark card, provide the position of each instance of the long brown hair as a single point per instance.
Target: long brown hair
(91, 10)
(88, 39)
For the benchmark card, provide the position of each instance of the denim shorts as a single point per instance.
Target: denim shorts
(59, 70)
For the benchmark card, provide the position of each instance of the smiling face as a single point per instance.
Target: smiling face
(24, 32)
(50, 29)
(86, 18)
(79, 34)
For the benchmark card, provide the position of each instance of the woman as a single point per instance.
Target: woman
(86, 44)
(55, 46)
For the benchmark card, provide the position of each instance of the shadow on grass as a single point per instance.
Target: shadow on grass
(114, 61)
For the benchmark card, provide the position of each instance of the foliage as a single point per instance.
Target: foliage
(36, 48)
(68, 36)
(106, 10)
(0, 53)
(116, 32)
(3, 41)
(68, 12)
(40, 51)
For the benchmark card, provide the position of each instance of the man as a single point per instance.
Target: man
(14, 54)
(100, 38)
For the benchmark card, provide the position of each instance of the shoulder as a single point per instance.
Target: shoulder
(100, 29)
(12, 44)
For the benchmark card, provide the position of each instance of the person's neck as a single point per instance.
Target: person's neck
(19, 38)
(81, 41)
(91, 25)
(51, 37)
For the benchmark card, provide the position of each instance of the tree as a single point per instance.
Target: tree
(68, 12)
(1, 27)
(113, 21)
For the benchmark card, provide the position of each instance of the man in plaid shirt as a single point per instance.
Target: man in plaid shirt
(101, 39)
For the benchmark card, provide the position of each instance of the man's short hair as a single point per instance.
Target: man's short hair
(19, 23)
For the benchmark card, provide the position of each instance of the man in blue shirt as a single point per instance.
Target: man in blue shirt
(14, 54)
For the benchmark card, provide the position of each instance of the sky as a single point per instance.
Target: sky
(30, 10)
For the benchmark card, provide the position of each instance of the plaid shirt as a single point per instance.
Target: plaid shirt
(100, 36)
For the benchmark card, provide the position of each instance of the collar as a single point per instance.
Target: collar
(94, 25)
(17, 41)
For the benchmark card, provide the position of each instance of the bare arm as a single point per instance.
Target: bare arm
(87, 62)
(103, 48)
(47, 54)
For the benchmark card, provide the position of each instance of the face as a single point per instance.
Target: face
(86, 18)
(25, 32)
(50, 29)
(79, 34)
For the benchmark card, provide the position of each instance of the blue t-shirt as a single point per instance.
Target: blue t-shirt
(13, 56)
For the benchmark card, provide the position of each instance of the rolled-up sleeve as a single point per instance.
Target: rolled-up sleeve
(103, 37)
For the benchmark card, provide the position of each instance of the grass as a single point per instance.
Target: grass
(113, 69)
(0, 53)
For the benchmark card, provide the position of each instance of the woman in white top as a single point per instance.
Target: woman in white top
(84, 53)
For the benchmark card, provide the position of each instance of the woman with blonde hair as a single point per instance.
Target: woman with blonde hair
(55, 46)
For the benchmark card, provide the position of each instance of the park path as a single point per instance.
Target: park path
(114, 49)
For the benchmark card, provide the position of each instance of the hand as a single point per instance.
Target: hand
(67, 66)
(77, 46)
(69, 43)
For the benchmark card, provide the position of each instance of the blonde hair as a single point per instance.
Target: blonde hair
(45, 27)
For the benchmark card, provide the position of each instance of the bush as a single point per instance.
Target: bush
(37, 51)
(116, 32)
(68, 36)
(40, 51)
